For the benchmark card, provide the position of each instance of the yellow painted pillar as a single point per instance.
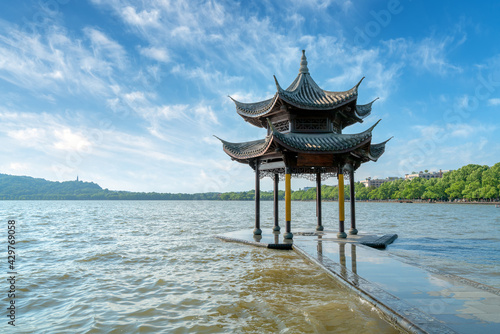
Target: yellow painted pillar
(288, 205)
(341, 233)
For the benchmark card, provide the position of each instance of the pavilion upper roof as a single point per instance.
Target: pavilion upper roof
(303, 93)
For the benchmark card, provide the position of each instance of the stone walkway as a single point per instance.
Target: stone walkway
(420, 300)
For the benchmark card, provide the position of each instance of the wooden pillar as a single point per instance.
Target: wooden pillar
(276, 201)
(353, 229)
(340, 177)
(318, 201)
(257, 230)
(288, 201)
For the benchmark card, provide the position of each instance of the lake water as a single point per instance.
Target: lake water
(153, 266)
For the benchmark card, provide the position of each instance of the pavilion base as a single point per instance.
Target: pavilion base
(268, 239)
(341, 235)
(276, 229)
(288, 235)
(277, 240)
(353, 231)
(319, 228)
(257, 231)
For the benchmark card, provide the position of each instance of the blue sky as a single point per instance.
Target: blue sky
(129, 93)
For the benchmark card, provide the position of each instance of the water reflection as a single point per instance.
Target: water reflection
(342, 258)
(342, 261)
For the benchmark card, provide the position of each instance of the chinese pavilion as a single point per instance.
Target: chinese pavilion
(304, 138)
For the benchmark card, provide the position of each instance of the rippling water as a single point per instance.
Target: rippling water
(147, 266)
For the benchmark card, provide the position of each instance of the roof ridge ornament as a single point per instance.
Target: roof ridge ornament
(303, 63)
(278, 87)
(359, 83)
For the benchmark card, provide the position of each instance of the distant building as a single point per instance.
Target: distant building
(369, 182)
(426, 175)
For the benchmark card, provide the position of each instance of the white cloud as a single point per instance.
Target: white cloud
(18, 167)
(28, 136)
(67, 140)
(143, 18)
(159, 54)
(429, 54)
(106, 48)
(134, 96)
(59, 63)
(205, 114)
(494, 102)
(169, 112)
(464, 130)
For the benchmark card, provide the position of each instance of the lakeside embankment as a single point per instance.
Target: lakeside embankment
(429, 202)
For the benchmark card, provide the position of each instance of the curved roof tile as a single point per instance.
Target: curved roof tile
(323, 142)
(246, 150)
(254, 109)
(365, 109)
(376, 150)
(303, 92)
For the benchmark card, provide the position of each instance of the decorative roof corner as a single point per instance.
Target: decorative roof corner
(255, 109)
(359, 83)
(222, 140)
(278, 87)
(370, 129)
(246, 150)
(365, 109)
(376, 150)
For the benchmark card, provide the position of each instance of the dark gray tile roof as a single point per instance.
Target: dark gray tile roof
(323, 142)
(246, 150)
(365, 109)
(303, 93)
(302, 142)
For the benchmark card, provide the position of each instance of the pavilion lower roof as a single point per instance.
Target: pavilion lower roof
(323, 142)
(333, 143)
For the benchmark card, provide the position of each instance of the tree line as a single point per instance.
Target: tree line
(470, 182)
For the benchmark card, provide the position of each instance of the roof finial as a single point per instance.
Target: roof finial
(303, 63)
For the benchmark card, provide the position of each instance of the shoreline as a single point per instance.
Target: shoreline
(402, 201)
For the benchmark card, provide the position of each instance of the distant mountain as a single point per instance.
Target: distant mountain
(28, 188)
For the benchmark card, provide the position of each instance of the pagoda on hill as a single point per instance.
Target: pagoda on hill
(304, 138)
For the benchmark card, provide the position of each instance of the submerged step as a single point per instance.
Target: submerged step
(381, 242)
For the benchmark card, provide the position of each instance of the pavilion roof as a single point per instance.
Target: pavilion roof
(358, 144)
(323, 142)
(365, 109)
(246, 150)
(303, 93)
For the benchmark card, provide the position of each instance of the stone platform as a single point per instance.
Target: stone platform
(418, 299)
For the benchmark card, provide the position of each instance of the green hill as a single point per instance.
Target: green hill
(29, 188)
(471, 182)
(25, 187)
